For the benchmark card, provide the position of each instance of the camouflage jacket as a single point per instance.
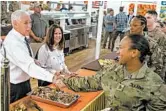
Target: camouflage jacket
(125, 92)
(13, 6)
(3, 10)
(158, 48)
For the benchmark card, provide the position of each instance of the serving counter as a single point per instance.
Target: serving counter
(88, 101)
(95, 66)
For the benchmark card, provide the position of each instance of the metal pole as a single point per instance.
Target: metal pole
(5, 83)
(89, 9)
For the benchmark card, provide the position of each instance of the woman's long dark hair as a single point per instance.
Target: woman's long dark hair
(140, 43)
(50, 37)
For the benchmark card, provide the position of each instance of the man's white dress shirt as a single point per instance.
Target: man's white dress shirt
(22, 65)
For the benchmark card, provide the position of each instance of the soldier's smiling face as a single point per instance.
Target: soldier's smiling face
(125, 52)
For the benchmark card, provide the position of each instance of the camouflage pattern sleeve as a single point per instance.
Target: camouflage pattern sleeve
(90, 83)
(158, 56)
(162, 43)
(10, 7)
(158, 100)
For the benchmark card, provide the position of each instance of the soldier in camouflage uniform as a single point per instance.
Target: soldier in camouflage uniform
(13, 6)
(4, 11)
(138, 25)
(160, 38)
(131, 86)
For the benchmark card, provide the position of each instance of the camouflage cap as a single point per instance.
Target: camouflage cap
(37, 5)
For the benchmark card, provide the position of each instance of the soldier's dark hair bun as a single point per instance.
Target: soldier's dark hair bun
(140, 43)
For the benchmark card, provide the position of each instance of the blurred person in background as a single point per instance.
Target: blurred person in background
(130, 16)
(159, 24)
(58, 7)
(39, 25)
(109, 22)
(13, 6)
(47, 6)
(4, 17)
(63, 8)
(104, 16)
(121, 20)
(71, 8)
(164, 27)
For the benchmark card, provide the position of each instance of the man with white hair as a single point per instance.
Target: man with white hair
(19, 53)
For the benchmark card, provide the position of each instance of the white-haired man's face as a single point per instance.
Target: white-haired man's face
(23, 25)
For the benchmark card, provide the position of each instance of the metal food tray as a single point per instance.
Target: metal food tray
(47, 101)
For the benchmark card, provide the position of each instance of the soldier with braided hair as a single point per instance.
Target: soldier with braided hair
(138, 25)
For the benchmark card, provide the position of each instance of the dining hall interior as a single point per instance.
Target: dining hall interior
(83, 55)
